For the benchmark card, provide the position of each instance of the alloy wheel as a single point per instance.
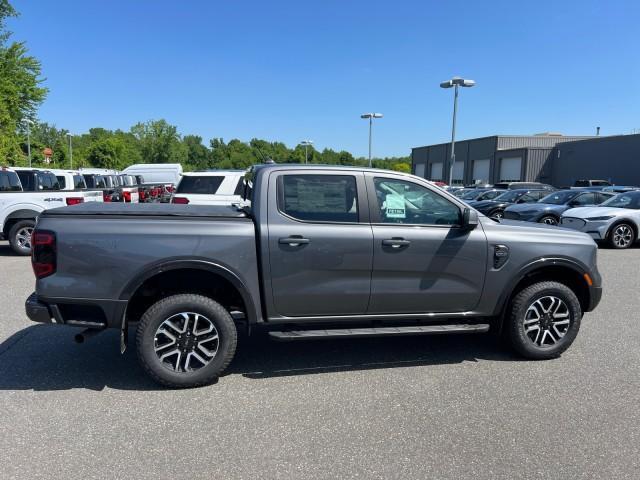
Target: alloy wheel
(499, 215)
(23, 237)
(186, 342)
(622, 236)
(546, 321)
(549, 221)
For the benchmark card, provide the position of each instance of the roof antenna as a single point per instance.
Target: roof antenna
(266, 160)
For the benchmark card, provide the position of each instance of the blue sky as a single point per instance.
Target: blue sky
(289, 70)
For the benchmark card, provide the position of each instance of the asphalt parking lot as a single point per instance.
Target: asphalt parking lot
(424, 407)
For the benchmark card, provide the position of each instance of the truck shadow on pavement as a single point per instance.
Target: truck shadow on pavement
(44, 357)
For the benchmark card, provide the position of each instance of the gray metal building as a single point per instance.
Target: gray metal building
(615, 158)
(492, 159)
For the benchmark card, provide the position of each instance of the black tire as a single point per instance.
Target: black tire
(549, 220)
(497, 214)
(19, 244)
(621, 236)
(518, 314)
(155, 316)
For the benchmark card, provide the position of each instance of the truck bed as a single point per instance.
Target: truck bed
(148, 210)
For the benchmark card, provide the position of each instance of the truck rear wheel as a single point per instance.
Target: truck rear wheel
(186, 341)
(543, 320)
(20, 236)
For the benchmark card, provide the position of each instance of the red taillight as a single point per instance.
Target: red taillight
(106, 197)
(141, 194)
(127, 196)
(169, 188)
(180, 200)
(74, 200)
(43, 253)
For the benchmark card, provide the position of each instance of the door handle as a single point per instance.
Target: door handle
(294, 241)
(396, 242)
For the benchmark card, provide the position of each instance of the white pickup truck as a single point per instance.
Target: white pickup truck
(211, 187)
(24, 194)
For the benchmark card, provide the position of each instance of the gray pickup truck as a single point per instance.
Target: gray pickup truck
(321, 252)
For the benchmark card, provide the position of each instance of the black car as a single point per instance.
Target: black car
(479, 194)
(495, 208)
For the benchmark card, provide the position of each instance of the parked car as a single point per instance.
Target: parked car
(523, 185)
(70, 179)
(549, 208)
(480, 194)
(24, 194)
(157, 173)
(495, 208)
(620, 188)
(616, 221)
(322, 252)
(591, 183)
(217, 187)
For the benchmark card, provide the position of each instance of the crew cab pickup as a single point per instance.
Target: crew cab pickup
(318, 252)
(19, 207)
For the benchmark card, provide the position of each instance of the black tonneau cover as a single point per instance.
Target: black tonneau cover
(147, 209)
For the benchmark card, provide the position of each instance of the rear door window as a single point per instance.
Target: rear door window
(318, 198)
(585, 199)
(9, 182)
(78, 182)
(26, 179)
(61, 181)
(48, 181)
(239, 187)
(206, 185)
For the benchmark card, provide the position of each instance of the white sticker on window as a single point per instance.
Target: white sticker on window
(395, 206)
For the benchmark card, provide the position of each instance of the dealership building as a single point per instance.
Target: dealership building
(549, 158)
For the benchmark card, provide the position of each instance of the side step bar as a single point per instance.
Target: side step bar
(377, 331)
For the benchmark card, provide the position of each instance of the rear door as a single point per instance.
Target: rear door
(320, 243)
(423, 261)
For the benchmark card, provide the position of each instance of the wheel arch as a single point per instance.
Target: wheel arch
(16, 216)
(618, 221)
(209, 278)
(560, 270)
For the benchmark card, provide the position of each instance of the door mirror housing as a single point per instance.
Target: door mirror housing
(469, 218)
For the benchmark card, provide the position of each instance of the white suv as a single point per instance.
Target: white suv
(212, 187)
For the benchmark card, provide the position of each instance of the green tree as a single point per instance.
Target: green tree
(105, 153)
(160, 142)
(198, 156)
(20, 90)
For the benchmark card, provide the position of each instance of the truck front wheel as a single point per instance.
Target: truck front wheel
(186, 341)
(543, 320)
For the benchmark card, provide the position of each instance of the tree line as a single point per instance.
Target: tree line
(154, 141)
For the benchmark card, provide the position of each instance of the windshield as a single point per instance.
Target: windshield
(470, 194)
(510, 196)
(558, 198)
(624, 200)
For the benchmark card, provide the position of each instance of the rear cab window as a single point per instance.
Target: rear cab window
(9, 181)
(318, 198)
(61, 181)
(79, 183)
(48, 181)
(27, 180)
(203, 185)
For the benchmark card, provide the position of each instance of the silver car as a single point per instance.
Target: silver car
(617, 220)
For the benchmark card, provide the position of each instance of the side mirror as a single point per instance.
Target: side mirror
(469, 218)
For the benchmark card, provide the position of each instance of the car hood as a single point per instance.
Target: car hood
(588, 212)
(535, 232)
(536, 207)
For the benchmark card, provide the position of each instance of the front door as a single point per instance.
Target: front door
(423, 261)
(320, 244)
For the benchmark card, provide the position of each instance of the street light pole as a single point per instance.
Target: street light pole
(70, 151)
(455, 82)
(306, 144)
(370, 116)
(29, 141)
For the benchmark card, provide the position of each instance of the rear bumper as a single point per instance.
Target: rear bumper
(38, 311)
(80, 312)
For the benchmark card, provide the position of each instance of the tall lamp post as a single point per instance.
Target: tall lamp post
(70, 151)
(306, 144)
(455, 82)
(370, 116)
(28, 124)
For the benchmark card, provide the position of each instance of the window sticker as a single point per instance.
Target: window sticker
(395, 206)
